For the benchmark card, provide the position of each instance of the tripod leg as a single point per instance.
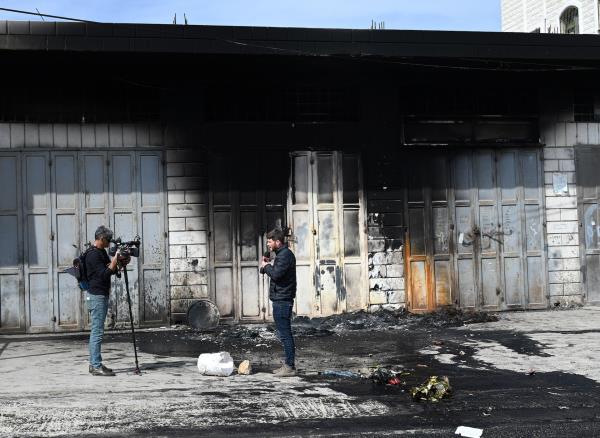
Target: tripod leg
(137, 368)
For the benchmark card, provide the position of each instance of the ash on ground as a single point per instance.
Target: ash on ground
(361, 320)
(387, 320)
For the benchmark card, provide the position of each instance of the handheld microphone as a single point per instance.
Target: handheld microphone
(267, 255)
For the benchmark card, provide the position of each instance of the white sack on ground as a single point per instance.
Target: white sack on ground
(469, 432)
(215, 364)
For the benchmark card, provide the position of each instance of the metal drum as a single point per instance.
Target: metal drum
(203, 315)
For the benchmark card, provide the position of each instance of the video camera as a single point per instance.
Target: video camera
(126, 249)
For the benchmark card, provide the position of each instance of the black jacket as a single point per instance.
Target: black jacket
(283, 275)
(98, 273)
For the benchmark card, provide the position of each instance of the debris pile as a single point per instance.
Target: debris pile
(386, 320)
(244, 332)
(453, 317)
(433, 390)
(380, 320)
(387, 376)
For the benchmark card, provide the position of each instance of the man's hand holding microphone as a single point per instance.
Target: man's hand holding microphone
(266, 259)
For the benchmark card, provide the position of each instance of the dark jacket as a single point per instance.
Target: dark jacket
(98, 273)
(283, 275)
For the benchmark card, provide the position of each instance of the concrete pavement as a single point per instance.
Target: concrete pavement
(47, 391)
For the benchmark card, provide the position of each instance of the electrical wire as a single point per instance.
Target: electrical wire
(39, 14)
(373, 57)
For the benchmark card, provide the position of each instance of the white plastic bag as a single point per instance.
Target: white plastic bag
(215, 364)
(469, 432)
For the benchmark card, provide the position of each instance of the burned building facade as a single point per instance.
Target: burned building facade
(410, 169)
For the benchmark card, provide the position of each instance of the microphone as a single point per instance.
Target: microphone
(267, 255)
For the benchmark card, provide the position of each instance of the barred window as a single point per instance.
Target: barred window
(586, 105)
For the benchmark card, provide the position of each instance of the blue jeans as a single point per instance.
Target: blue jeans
(98, 307)
(282, 314)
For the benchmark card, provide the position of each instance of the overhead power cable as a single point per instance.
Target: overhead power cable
(39, 14)
(370, 57)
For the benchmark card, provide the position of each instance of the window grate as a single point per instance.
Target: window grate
(586, 106)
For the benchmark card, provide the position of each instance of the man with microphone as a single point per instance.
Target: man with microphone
(282, 292)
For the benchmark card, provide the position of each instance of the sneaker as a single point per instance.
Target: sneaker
(285, 371)
(102, 371)
(278, 370)
(105, 369)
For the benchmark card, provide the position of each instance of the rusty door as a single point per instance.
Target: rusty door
(325, 215)
(246, 201)
(588, 193)
(428, 246)
(479, 243)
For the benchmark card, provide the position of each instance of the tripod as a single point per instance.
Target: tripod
(137, 368)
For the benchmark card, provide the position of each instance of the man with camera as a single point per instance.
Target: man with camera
(282, 292)
(100, 268)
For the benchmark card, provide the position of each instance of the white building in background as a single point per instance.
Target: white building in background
(551, 16)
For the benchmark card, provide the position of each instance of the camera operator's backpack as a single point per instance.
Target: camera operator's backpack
(79, 271)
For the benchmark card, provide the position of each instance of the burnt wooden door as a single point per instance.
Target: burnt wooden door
(475, 230)
(588, 194)
(325, 215)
